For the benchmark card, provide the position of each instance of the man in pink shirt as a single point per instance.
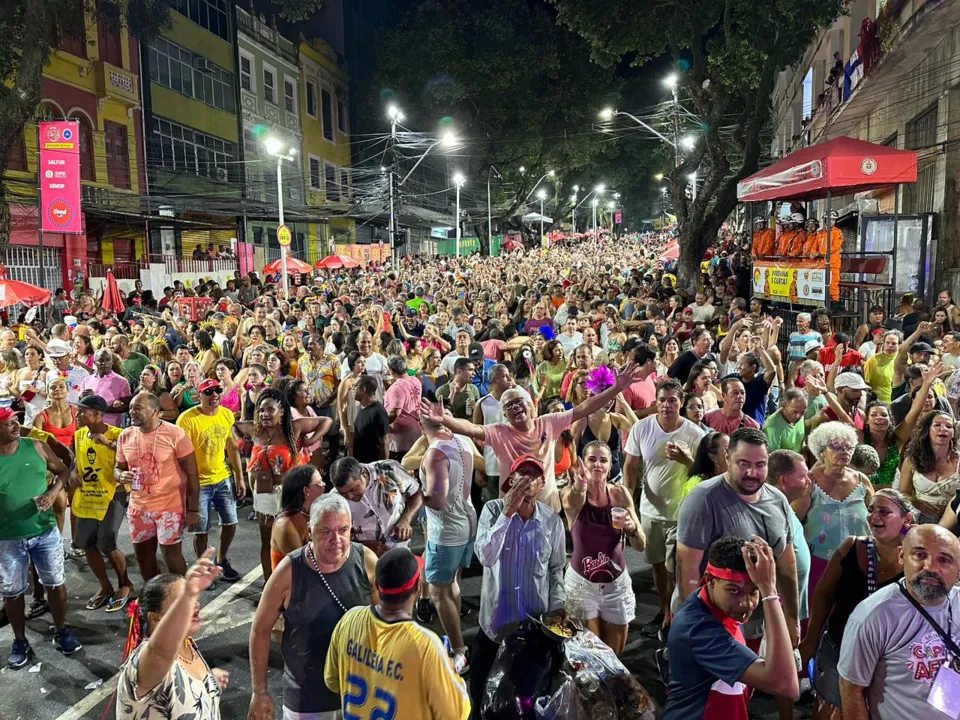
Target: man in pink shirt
(524, 432)
(113, 388)
(641, 396)
(402, 403)
(157, 462)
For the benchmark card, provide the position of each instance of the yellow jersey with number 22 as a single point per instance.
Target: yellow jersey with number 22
(392, 671)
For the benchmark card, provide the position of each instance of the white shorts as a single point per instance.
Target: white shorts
(268, 503)
(612, 602)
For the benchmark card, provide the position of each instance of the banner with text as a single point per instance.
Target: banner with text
(60, 177)
(799, 281)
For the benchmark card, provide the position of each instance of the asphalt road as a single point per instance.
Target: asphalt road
(54, 687)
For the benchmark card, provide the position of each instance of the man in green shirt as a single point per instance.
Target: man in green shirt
(460, 395)
(29, 534)
(784, 429)
(133, 362)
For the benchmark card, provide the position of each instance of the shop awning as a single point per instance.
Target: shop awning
(841, 166)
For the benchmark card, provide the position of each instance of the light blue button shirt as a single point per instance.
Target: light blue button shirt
(523, 564)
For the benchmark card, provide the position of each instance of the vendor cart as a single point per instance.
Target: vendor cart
(847, 282)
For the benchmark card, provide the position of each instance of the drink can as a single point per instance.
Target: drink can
(446, 644)
(135, 483)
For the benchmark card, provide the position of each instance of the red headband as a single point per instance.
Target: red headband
(727, 574)
(407, 585)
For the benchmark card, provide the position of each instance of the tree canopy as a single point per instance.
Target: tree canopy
(727, 54)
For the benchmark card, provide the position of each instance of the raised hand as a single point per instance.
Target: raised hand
(202, 573)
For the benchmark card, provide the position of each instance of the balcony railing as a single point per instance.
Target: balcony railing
(172, 264)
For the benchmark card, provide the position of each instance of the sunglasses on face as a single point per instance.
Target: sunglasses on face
(209, 392)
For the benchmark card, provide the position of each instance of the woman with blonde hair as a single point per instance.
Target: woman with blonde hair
(160, 353)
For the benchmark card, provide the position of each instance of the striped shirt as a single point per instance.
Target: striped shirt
(523, 565)
(798, 340)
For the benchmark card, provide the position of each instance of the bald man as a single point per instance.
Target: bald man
(898, 640)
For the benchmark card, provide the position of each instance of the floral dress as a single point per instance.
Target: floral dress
(178, 695)
(384, 501)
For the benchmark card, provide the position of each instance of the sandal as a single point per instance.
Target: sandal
(116, 603)
(78, 552)
(98, 601)
(37, 608)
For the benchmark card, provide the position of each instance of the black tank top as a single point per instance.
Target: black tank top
(246, 412)
(309, 620)
(613, 442)
(851, 590)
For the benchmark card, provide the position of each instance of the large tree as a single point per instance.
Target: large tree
(32, 30)
(520, 89)
(728, 54)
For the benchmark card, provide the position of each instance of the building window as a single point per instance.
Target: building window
(17, 157)
(108, 35)
(331, 184)
(807, 108)
(921, 135)
(118, 158)
(315, 181)
(177, 147)
(209, 14)
(311, 93)
(246, 72)
(192, 75)
(289, 104)
(71, 31)
(326, 107)
(346, 183)
(269, 78)
(86, 148)
(341, 115)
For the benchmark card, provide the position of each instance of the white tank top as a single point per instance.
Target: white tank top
(456, 524)
(492, 414)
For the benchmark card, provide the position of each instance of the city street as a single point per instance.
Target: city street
(55, 687)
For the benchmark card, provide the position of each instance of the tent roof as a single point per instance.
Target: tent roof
(841, 166)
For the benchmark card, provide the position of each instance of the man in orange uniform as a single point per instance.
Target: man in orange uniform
(811, 247)
(799, 239)
(836, 243)
(763, 237)
(789, 236)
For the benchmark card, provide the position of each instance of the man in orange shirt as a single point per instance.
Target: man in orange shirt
(811, 248)
(763, 238)
(799, 238)
(836, 243)
(788, 235)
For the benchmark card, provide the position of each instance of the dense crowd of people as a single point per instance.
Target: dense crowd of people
(796, 494)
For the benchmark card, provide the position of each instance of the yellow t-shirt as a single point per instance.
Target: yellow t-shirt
(95, 465)
(392, 670)
(35, 434)
(209, 435)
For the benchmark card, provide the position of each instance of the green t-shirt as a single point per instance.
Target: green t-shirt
(815, 403)
(781, 435)
(458, 405)
(133, 366)
(23, 476)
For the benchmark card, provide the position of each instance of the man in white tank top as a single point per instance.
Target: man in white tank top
(446, 474)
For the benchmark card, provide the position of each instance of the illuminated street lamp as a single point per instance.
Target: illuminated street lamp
(542, 194)
(277, 148)
(458, 180)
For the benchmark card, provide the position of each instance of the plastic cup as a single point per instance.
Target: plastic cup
(618, 516)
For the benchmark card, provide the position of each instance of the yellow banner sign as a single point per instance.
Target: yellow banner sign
(790, 282)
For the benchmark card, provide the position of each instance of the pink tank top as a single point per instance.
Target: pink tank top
(597, 545)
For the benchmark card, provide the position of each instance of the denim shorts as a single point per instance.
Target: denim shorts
(826, 677)
(220, 496)
(46, 552)
(441, 562)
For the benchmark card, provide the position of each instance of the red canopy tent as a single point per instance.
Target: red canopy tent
(841, 166)
(335, 262)
(293, 266)
(16, 291)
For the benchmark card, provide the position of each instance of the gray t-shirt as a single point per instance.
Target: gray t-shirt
(713, 509)
(890, 648)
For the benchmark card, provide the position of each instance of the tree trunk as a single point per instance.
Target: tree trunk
(18, 102)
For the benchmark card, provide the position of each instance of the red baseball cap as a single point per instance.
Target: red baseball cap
(209, 383)
(525, 459)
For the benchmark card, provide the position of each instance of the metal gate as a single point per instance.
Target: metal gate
(23, 263)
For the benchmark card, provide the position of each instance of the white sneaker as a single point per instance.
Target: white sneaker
(460, 663)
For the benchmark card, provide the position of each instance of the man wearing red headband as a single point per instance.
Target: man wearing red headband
(380, 655)
(711, 669)
(29, 533)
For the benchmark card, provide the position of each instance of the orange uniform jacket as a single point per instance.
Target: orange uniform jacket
(811, 248)
(763, 242)
(836, 243)
(786, 242)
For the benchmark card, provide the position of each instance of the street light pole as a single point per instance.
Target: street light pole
(595, 201)
(283, 248)
(490, 207)
(458, 180)
(394, 116)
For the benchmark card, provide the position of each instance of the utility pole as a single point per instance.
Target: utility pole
(394, 114)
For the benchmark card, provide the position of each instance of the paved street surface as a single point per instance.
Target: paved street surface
(54, 687)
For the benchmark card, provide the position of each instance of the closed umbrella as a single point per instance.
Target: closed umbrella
(293, 266)
(112, 302)
(16, 291)
(335, 262)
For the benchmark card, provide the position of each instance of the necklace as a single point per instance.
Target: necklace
(193, 653)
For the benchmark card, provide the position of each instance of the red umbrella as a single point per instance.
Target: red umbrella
(112, 301)
(335, 262)
(15, 291)
(293, 266)
(671, 253)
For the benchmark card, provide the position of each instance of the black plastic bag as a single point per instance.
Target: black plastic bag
(524, 670)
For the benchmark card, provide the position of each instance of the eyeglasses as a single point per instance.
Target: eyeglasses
(212, 391)
(841, 447)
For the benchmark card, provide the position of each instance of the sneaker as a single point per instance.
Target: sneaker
(227, 572)
(66, 642)
(18, 654)
(460, 663)
(424, 611)
(652, 628)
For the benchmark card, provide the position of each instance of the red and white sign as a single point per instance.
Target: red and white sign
(60, 177)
